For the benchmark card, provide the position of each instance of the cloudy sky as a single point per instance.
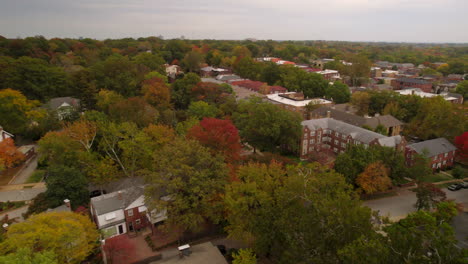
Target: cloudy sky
(353, 20)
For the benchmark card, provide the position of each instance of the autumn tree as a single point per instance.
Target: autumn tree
(156, 92)
(134, 109)
(82, 131)
(361, 100)
(9, 154)
(428, 195)
(192, 61)
(119, 248)
(26, 256)
(221, 136)
(106, 98)
(58, 148)
(374, 178)
(16, 111)
(462, 144)
(208, 92)
(152, 61)
(193, 181)
(70, 236)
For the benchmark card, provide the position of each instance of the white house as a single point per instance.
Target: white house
(4, 135)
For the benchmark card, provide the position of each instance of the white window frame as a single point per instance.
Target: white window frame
(130, 212)
(137, 222)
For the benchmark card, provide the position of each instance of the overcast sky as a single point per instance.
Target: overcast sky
(353, 20)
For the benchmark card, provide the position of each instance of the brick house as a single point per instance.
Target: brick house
(123, 211)
(402, 83)
(328, 134)
(439, 151)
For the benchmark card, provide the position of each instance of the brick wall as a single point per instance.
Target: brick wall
(135, 218)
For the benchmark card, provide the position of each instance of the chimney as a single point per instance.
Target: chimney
(119, 195)
(5, 226)
(67, 202)
(328, 114)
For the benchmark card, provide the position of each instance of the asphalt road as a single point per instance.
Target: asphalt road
(23, 175)
(20, 195)
(399, 206)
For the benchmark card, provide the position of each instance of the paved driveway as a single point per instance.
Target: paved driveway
(23, 175)
(20, 195)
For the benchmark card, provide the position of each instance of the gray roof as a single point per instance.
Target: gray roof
(227, 77)
(385, 120)
(55, 103)
(433, 147)
(62, 208)
(390, 141)
(111, 202)
(412, 80)
(357, 133)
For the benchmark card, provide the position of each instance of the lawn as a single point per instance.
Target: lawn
(436, 177)
(36, 176)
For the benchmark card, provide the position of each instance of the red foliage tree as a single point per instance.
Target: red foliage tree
(462, 144)
(9, 154)
(119, 249)
(208, 92)
(219, 135)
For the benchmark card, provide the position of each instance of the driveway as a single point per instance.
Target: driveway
(20, 194)
(23, 175)
(399, 206)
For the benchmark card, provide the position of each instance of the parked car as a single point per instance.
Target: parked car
(456, 187)
(96, 193)
(464, 185)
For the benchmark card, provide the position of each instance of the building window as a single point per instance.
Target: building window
(343, 145)
(138, 221)
(335, 149)
(312, 133)
(434, 158)
(312, 141)
(343, 136)
(130, 212)
(337, 134)
(336, 142)
(445, 155)
(444, 162)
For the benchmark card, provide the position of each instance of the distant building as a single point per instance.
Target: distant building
(439, 151)
(402, 83)
(65, 107)
(228, 77)
(451, 97)
(328, 134)
(392, 125)
(259, 87)
(330, 75)
(211, 71)
(295, 102)
(173, 70)
(4, 135)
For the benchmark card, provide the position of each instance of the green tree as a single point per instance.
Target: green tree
(266, 126)
(153, 62)
(245, 256)
(361, 100)
(70, 236)
(202, 109)
(428, 195)
(193, 180)
(182, 90)
(338, 92)
(25, 256)
(135, 110)
(66, 183)
(462, 88)
(192, 61)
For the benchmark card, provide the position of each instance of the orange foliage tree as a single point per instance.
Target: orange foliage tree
(9, 154)
(219, 135)
(156, 92)
(374, 178)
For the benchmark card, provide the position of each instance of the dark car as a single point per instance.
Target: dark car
(456, 187)
(96, 193)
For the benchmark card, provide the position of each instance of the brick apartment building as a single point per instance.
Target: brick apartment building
(440, 152)
(403, 83)
(328, 134)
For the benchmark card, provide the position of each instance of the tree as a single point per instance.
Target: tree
(182, 90)
(83, 132)
(201, 109)
(266, 126)
(339, 92)
(134, 109)
(371, 250)
(70, 236)
(57, 148)
(374, 178)
(25, 256)
(361, 100)
(428, 196)
(84, 87)
(106, 98)
(9, 154)
(462, 88)
(66, 183)
(245, 256)
(16, 111)
(462, 144)
(152, 61)
(221, 136)
(119, 248)
(424, 237)
(156, 92)
(192, 61)
(193, 180)
(209, 92)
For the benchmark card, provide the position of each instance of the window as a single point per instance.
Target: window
(336, 142)
(319, 134)
(343, 136)
(311, 149)
(130, 212)
(312, 141)
(337, 134)
(312, 133)
(434, 158)
(110, 216)
(445, 155)
(138, 221)
(343, 145)
(444, 162)
(335, 149)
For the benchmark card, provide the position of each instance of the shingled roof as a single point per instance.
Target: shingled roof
(433, 147)
(116, 200)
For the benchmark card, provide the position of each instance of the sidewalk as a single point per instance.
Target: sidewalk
(26, 171)
(17, 213)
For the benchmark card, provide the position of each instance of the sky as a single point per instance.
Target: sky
(349, 20)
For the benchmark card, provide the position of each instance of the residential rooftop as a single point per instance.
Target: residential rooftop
(433, 147)
(278, 98)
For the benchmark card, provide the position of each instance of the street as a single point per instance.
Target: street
(399, 206)
(23, 175)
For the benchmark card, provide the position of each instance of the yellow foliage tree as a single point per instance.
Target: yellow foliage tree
(374, 178)
(70, 236)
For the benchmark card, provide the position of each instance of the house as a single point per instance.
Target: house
(65, 207)
(27, 150)
(4, 135)
(328, 134)
(65, 107)
(392, 125)
(451, 97)
(227, 77)
(330, 75)
(123, 211)
(295, 102)
(402, 83)
(173, 70)
(439, 151)
(211, 71)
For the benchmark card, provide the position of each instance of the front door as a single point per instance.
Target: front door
(120, 229)
(130, 226)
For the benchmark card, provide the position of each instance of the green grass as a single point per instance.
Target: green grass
(36, 176)
(437, 177)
